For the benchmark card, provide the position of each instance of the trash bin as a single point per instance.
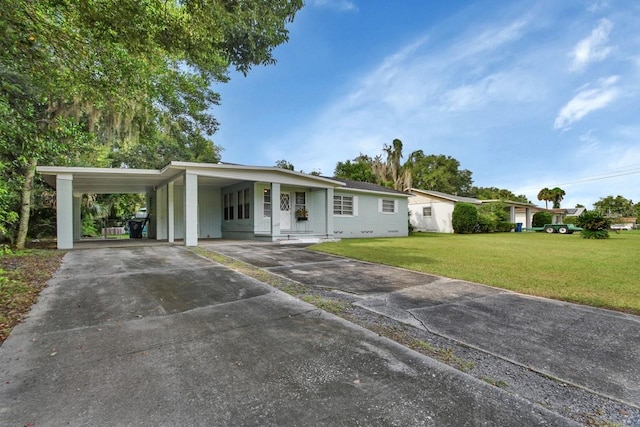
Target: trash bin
(135, 229)
(518, 227)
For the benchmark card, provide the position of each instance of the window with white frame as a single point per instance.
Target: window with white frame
(266, 203)
(243, 204)
(342, 205)
(228, 206)
(301, 204)
(426, 211)
(388, 206)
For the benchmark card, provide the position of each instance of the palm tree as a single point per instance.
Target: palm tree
(546, 195)
(557, 194)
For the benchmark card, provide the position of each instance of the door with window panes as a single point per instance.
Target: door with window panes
(285, 211)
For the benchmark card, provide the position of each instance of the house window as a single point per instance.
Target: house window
(243, 204)
(228, 206)
(388, 206)
(301, 204)
(247, 204)
(240, 204)
(266, 203)
(426, 211)
(343, 205)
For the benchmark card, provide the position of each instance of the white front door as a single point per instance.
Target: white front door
(285, 211)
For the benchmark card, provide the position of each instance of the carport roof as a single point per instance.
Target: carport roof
(113, 180)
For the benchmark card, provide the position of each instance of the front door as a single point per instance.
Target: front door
(285, 211)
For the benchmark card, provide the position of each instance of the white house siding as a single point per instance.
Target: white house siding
(209, 213)
(441, 214)
(368, 220)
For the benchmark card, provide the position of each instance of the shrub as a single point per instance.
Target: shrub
(595, 226)
(464, 218)
(570, 219)
(505, 226)
(486, 223)
(541, 218)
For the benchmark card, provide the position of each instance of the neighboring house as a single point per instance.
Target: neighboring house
(191, 201)
(433, 210)
(559, 214)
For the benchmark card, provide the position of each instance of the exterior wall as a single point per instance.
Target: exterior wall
(161, 218)
(209, 213)
(315, 203)
(235, 228)
(178, 207)
(368, 220)
(441, 214)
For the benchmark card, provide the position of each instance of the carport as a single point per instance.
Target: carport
(72, 182)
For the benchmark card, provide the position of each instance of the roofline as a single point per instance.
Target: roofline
(192, 165)
(445, 196)
(360, 190)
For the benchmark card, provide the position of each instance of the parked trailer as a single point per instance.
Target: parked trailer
(557, 228)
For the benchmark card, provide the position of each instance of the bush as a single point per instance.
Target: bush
(570, 220)
(505, 226)
(541, 218)
(595, 226)
(464, 218)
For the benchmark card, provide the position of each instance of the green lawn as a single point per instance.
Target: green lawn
(601, 273)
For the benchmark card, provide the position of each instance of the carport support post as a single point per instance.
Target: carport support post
(171, 225)
(191, 209)
(64, 214)
(527, 214)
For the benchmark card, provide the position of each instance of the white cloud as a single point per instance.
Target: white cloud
(598, 5)
(593, 48)
(586, 101)
(339, 5)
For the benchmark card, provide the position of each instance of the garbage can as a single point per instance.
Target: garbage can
(518, 227)
(135, 229)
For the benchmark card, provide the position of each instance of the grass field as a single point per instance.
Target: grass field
(602, 273)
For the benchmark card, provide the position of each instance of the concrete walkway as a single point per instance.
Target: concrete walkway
(162, 337)
(596, 349)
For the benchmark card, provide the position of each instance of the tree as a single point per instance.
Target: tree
(615, 206)
(439, 173)
(546, 195)
(493, 193)
(283, 164)
(82, 66)
(358, 169)
(389, 172)
(557, 194)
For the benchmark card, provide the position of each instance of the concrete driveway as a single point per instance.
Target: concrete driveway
(159, 336)
(596, 349)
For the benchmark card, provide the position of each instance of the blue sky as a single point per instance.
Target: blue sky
(524, 94)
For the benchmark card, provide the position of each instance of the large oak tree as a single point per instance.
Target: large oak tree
(135, 76)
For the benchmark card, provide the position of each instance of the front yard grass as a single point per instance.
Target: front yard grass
(600, 273)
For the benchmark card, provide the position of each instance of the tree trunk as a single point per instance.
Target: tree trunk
(25, 209)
